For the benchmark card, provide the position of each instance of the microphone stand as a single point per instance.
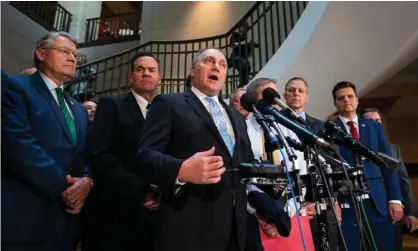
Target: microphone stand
(292, 158)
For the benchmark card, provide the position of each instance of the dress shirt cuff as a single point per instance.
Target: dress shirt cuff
(250, 209)
(396, 202)
(178, 183)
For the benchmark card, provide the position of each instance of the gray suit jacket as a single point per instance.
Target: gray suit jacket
(404, 182)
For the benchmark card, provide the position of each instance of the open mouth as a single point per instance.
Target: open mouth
(213, 77)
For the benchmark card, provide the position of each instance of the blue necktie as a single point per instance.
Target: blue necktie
(220, 122)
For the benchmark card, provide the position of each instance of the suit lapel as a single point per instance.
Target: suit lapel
(43, 89)
(362, 128)
(203, 113)
(133, 108)
(341, 124)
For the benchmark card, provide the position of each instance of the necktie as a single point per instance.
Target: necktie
(220, 122)
(353, 130)
(275, 153)
(147, 110)
(66, 112)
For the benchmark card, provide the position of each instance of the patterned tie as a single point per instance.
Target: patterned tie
(353, 130)
(219, 119)
(66, 112)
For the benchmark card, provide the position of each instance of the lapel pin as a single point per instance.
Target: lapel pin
(362, 125)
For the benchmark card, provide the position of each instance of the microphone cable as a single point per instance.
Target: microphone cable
(294, 200)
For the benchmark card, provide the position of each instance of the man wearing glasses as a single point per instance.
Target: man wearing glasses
(45, 181)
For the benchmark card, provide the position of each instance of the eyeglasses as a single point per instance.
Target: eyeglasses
(65, 51)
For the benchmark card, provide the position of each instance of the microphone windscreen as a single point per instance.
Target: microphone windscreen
(331, 126)
(269, 94)
(261, 104)
(247, 102)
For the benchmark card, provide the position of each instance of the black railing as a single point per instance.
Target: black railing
(49, 14)
(123, 25)
(269, 24)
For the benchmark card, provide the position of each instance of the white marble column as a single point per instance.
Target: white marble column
(81, 11)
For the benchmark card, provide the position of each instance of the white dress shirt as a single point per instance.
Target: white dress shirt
(51, 87)
(356, 125)
(255, 134)
(202, 98)
(142, 102)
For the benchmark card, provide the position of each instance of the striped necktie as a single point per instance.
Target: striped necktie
(220, 122)
(66, 112)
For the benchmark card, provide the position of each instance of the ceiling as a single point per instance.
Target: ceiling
(112, 8)
(398, 96)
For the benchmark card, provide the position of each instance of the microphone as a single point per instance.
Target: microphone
(348, 141)
(248, 103)
(267, 108)
(273, 97)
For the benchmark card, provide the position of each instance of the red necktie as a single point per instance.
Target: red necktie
(353, 130)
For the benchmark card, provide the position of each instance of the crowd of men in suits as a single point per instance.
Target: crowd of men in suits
(147, 172)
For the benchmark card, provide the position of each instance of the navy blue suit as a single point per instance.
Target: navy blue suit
(4, 82)
(37, 153)
(383, 185)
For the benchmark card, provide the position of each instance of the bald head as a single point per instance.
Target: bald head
(28, 71)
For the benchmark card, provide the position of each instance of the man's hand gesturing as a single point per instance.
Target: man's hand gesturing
(202, 168)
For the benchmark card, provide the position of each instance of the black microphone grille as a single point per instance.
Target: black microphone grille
(270, 94)
(331, 126)
(247, 102)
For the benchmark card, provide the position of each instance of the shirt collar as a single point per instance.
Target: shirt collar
(143, 103)
(201, 96)
(49, 82)
(251, 119)
(303, 115)
(345, 120)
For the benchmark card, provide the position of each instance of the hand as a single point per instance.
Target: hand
(75, 196)
(395, 211)
(337, 210)
(202, 168)
(411, 223)
(152, 201)
(309, 209)
(269, 229)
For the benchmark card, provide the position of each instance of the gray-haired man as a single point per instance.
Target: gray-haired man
(45, 181)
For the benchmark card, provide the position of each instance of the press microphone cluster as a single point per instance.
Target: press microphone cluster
(261, 108)
(351, 143)
(249, 104)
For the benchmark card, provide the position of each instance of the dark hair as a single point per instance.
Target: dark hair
(143, 54)
(244, 24)
(342, 85)
(293, 79)
(188, 83)
(371, 109)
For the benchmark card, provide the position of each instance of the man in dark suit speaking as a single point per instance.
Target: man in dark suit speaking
(190, 146)
(44, 180)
